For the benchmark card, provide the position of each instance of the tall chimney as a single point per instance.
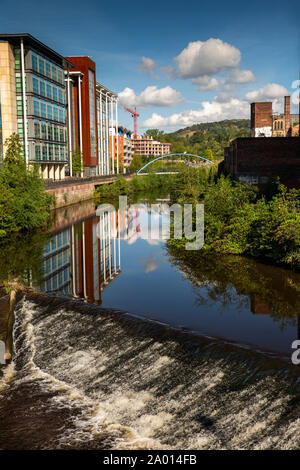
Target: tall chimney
(287, 111)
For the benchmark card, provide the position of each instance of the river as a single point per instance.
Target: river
(135, 348)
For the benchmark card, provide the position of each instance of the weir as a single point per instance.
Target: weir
(147, 386)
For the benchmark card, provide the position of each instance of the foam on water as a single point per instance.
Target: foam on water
(130, 384)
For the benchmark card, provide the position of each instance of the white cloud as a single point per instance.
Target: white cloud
(210, 111)
(241, 76)
(269, 92)
(147, 65)
(151, 96)
(222, 98)
(169, 71)
(206, 83)
(206, 58)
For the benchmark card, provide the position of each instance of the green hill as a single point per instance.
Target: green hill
(206, 139)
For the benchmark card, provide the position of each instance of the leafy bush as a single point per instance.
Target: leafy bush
(24, 204)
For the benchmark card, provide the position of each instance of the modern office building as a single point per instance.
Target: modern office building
(107, 116)
(33, 101)
(148, 147)
(65, 108)
(93, 109)
(121, 144)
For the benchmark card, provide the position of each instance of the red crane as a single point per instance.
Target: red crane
(135, 115)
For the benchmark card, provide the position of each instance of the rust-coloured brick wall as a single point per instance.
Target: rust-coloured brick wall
(83, 64)
(261, 114)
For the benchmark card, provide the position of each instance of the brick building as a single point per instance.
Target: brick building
(258, 160)
(148, 147)
(265, 123)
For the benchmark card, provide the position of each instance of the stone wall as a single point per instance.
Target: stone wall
(7, 91)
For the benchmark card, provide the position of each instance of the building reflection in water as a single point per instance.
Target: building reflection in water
(85, 257)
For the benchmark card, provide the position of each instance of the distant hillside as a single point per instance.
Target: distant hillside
(227, 124)
(208, 139)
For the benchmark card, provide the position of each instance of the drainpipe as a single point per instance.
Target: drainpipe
(24, 102)
(101, 134)
(80, 123)
(111, 127)
(107, 135)
(116, 101)
(69, 123)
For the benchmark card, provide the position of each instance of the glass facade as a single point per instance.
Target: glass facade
(46, 107)
(56, 265)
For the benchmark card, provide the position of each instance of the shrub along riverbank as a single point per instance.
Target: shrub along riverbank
(24, 204)
(239, 218)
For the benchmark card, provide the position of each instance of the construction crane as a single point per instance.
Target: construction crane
(135, 115)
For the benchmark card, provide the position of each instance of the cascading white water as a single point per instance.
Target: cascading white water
(108, 380)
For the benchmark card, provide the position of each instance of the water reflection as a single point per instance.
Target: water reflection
(229, 297)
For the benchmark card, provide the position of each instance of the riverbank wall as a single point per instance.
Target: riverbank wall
(73, 190)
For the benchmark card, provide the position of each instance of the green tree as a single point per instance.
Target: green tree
(136, 163)
(77, 161)
(14, 150)
(156, 134)
(24, 204)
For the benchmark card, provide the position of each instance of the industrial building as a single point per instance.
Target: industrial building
(258, 161)
(65, 108)
(265, 123)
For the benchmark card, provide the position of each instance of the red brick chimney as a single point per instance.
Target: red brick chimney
(287, 112)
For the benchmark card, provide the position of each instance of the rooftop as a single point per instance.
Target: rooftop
(35, 43)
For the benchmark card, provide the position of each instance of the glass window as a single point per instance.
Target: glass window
(55, 113)
(56, 133)
(44, 130)
(60, 95)
(61, 134)
(44, 152)
(18, 82)
(56, 147)
(54, 75)
(37, 129)
(34, 61)
(42, 87)
(54, 93)
(36, 107)
(48, 68)
(35, 84)
(50, 132)
(59, 75)
(43, 109)
(49, 91)
(41, 65)
(50, 150)
(49, 111)
(19, 106)
(61, 115)
(37, 152)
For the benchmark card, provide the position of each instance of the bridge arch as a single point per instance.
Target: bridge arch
(173, 155)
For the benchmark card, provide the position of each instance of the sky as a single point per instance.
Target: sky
(179, 63)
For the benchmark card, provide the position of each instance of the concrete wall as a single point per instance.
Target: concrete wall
(72, 194)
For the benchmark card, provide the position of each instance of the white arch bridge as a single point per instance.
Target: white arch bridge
(139, 172)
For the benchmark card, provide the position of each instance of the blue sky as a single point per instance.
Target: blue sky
(226, 53)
